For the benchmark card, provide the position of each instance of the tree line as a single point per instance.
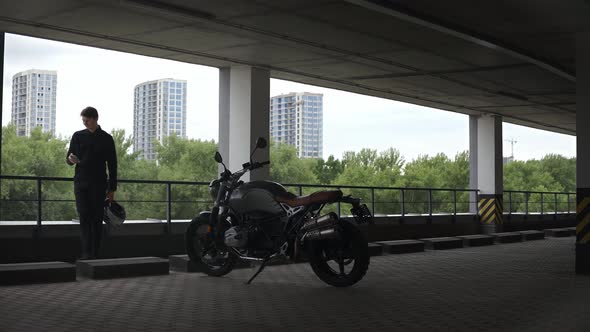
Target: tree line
(43, 154)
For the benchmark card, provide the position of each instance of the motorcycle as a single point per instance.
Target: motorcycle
(261, 221)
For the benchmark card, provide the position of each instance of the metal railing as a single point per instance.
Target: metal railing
(539, 202)
(403, 201)
(383, 201)
(39, 199)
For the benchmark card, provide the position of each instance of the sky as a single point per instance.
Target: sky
(106, 79)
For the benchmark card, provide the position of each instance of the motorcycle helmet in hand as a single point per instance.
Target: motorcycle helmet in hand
(114, 213)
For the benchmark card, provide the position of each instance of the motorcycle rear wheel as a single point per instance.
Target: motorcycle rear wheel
(341, 263)
(204, 252)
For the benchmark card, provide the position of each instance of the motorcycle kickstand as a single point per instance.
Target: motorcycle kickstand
(259, 270)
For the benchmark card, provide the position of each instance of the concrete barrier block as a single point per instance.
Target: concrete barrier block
(572, 230)
(507, 237)
(560, 232)
(375, 249)
(477, 240)
(122, 267)
(182, 263)
(401, 246)
(532, 235)
(441, 243)
(41, 272)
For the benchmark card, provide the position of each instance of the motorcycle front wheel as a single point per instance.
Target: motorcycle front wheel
(342, 262)
(203, 251)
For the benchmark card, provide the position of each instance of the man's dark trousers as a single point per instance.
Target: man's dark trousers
(90, 197)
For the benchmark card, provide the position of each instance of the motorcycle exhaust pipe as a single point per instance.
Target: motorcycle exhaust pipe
(330, 233)
(328, 220)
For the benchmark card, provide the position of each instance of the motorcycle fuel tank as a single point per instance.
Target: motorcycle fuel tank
(257, 198)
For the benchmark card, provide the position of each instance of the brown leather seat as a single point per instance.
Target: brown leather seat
(319, 197)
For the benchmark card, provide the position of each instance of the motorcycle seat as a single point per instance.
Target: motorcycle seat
(319, 197)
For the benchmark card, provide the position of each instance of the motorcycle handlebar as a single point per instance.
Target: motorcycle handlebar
(258, 165)
(247, 167)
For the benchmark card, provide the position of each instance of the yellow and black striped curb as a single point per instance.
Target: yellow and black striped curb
(583, 218)
(490, 209)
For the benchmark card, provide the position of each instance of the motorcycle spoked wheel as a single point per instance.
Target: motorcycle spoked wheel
(204, 252)
(341, 263)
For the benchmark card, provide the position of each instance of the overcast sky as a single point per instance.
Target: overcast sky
(106, 80)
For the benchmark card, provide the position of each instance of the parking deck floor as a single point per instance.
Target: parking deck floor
(526, 286)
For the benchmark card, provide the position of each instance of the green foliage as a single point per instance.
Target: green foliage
(327, 171)
(41, 154)
(370, 168)
(286, 167)
(553, 173)
(187, 160)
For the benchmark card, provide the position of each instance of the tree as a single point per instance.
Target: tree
(562, 169)
(327, 171)
(530, 175)
(286, 167)
(370, 168)
(41, 154)
(187, 160)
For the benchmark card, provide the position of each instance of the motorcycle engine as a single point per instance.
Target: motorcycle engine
(236, 237)
(257, 235)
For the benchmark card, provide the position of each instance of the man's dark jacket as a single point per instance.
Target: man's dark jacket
(93, 150)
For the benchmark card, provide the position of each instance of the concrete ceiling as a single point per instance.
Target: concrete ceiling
(512, 58)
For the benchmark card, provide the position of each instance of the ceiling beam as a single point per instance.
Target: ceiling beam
(388, 8)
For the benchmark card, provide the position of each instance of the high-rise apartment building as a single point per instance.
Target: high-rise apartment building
(34, 101)
(297, 119)
(159, 110)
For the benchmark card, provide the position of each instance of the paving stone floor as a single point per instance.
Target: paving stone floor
(527, 286)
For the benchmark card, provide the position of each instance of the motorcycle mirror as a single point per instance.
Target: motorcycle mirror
(261, 143)
(218, 157)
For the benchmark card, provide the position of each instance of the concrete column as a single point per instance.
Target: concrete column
(244, 115)
(473, 162)
(583, 153)
(224, 93)
(490, 172)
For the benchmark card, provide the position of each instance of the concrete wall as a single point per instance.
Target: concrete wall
(61, 242)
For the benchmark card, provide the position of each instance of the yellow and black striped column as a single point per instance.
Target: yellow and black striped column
(583, 231)
(490, 209)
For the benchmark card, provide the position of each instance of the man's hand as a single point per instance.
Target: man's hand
(73, 158)
(111, 196)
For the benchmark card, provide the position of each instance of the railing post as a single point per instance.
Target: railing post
(542, 203)
(568, 203)
(402, 199)
(510, 203)
(430, 202)
(526, 203)
(373, 201)
(168, 207)
(338, 205)
(300, 190)
(39, 206)
(555, 202)
(455, 202)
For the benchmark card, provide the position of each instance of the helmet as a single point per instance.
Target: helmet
(114, 213)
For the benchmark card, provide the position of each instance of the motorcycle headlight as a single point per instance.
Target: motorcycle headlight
(214, 189)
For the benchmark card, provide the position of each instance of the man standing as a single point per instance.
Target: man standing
(91, 150)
